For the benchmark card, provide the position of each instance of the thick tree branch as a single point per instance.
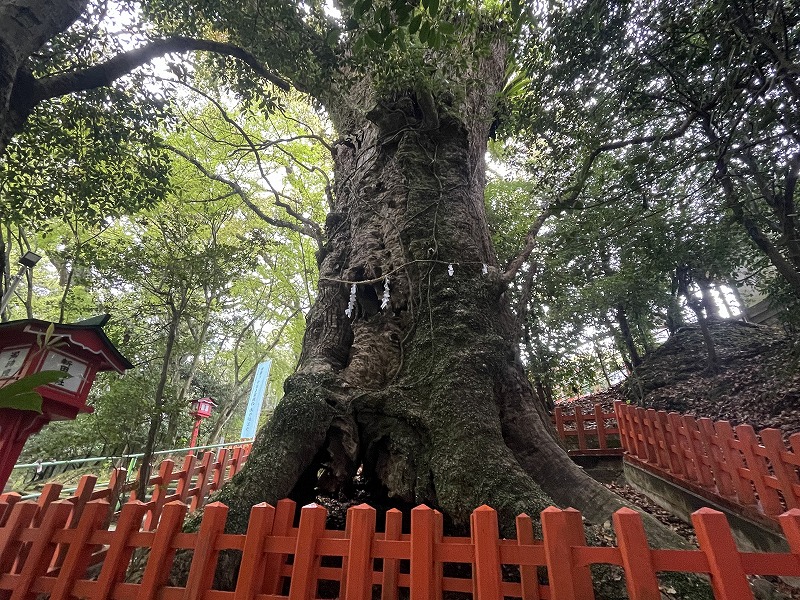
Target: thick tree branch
(105, 73)
(530, 243)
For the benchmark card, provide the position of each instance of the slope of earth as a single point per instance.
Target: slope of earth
(758, 382)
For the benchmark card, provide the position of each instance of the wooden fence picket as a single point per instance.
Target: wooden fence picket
(306, 559)
(203, 482)
(529, 577)
(563, 529)
(422, 563)
(7, 502)
(282, 524)
(728, 577)
(185, 479)
(640, 574)
(20, 516)
(759, 470)
(785, 473)
(708, 441)
(486, 538)
(252, 566)
(359, 553)
(159, 497)
(115, 562)
(600, 420)
(391, 566)
(204, 557)
(790, 523)
(734, 463)
(162, 551)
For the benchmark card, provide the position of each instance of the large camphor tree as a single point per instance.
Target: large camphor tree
(410, 368)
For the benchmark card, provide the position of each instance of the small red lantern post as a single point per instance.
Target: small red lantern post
(80, 350)
(201, 409)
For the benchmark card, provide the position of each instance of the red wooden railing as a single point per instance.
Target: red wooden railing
(594, 437)
(192, 484)
(754, 471)
(277, 557)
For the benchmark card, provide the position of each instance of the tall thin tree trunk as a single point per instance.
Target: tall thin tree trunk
(158, 404)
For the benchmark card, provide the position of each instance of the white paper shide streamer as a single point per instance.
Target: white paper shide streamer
(352, 304)
(385, 299)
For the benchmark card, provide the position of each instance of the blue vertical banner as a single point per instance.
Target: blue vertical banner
(255, 400)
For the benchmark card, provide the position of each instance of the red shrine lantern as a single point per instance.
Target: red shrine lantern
(201, 409)
(80, 350)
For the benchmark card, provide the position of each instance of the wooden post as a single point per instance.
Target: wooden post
(600, 423)
(563, 529)
(185, 477)
(716, 459)
(359, 564)
(422, 561)
(485, 538)
(119, 552)
(785, 473)
(306, 559)
(391, 566)
(767, 495)
(281, 525)
(734, 461)
(559, 416)
(579, 428)
(162, 552)
(204, 557)
(529, 578)
(728, 578)
(77, 557)
(251, 569)
(640, 575)
(200, 490)
(158, 497)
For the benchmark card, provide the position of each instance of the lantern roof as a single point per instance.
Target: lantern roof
(87, 335)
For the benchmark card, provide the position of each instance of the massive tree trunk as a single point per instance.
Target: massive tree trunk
(427, 393)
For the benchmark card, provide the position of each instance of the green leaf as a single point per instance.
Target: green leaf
(424, 32)
(413, 25)
(516, 9)
(447, 28)
(361, 7)
(433, 7)
(21, 393)
(25, 401)
(374, 38)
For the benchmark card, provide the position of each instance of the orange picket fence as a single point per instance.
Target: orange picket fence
(280, 561)
(754, 471)
(192, 483)
(596, 433)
